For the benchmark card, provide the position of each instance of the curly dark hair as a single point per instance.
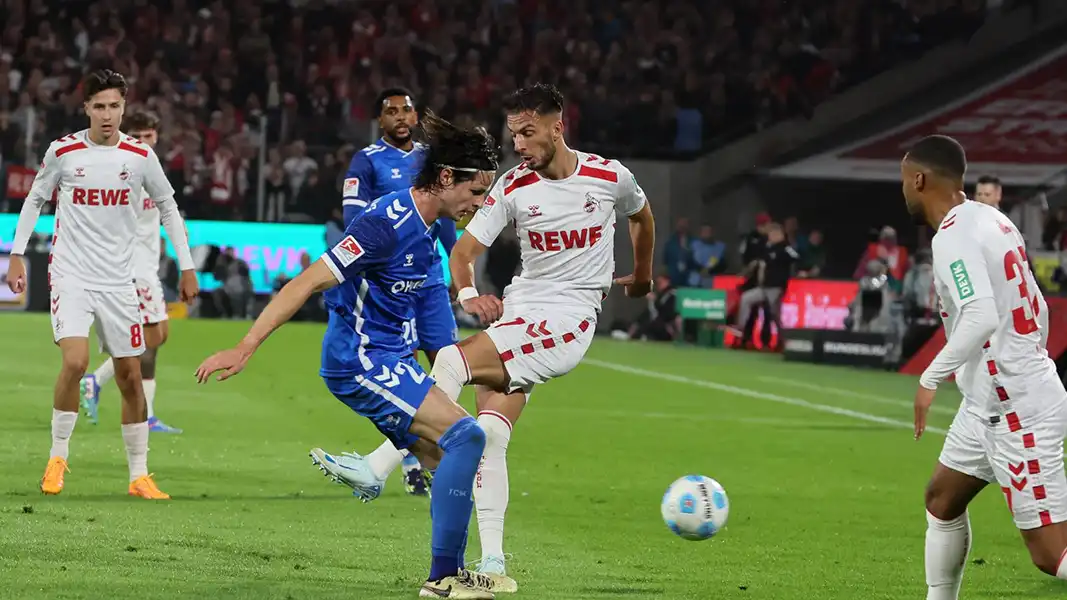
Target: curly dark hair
(541, 98)
(103, 79)
(465, 151)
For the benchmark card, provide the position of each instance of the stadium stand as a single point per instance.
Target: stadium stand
(293, 82)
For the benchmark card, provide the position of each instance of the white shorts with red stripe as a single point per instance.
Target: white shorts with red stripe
(538, 344)
(116, 313)
(1024, 457)
(150, 293)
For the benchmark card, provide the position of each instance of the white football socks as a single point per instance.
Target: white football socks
(149, 386)
(450, 371)
(947, 545)
(385, 459)
(62, 428)
(491, 483)
(136, 437)
(105, 373)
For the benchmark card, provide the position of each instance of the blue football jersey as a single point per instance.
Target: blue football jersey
(382, 168)
(382, 261)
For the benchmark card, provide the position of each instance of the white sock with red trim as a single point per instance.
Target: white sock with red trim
(947, 545)
(450, 371)
(1061, 570)
(491, 483)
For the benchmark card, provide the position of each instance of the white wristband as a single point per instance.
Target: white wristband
(466, 294)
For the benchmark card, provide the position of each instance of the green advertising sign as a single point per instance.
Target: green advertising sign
(701, 304)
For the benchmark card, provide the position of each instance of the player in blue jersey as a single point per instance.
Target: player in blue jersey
(389, 165)
(378, 267)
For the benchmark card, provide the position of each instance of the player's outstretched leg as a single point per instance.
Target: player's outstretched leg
(135, 428)
(477, 360)
(948, 532)
(90, 389)
(461, 442)
(75, 351)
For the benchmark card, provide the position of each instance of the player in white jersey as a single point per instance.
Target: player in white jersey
(98, 175)
(144, 127)
(1012, 422)
(564, 205)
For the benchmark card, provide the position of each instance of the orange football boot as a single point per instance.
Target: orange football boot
(52, 482)
(145, 487)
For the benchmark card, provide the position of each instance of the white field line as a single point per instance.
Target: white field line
(945, 410)
(740, 391)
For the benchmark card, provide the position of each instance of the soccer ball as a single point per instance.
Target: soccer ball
(695, 507)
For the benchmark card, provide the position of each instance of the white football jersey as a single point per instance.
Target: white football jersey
(566, 229)
(98, 207)
(146, 254)
(979, 253)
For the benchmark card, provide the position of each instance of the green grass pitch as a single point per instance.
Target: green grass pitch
(824, 479)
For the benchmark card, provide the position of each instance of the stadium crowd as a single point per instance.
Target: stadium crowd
(642, 78)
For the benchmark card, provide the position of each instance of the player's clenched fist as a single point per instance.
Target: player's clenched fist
(16, 274)
(634, 288)
(188, 287)
(487, 308)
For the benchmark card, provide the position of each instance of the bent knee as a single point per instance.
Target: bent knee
(942, 504)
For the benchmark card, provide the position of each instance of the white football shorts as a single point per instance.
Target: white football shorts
(538, 344)
(117, 315)
(150, 293)
(1024, 458)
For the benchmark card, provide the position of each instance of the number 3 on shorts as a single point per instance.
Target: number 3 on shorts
(135, 335)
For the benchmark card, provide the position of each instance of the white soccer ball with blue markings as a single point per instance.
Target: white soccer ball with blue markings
(695, 507)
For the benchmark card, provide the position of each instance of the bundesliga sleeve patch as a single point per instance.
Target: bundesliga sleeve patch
(961, 279)
(347, 251)
(351, 187)
(489, 201)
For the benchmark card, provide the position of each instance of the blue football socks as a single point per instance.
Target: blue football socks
(452, 500)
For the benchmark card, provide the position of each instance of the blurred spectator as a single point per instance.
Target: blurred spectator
(312, 310)
(697, 74)
(793, 237)
(812, 256)
(708, 257)
(754, 243)
(678, 255)
(297, 166)
(1053, 233)
(233, 298)
(889, 252)
(659, 321)
(335, 227)
(988, 191)
(768, 280)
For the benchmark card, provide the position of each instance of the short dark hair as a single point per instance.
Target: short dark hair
(989, 179)
(103, 79)
(941, 154)
(541, 98)
(379, 101)
(140, 121)
(453, 147)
